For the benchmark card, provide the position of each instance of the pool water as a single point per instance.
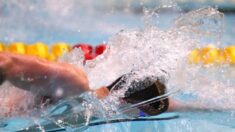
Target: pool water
(72, 32)
(179, 122)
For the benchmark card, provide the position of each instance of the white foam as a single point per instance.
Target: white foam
(152, 50)
(14, 101)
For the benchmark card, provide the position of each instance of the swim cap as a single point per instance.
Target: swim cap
(142, 90)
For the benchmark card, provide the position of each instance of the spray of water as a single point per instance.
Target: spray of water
(150, 52)
(9, 106)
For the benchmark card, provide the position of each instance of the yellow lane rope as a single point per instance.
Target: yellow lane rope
(205, 55)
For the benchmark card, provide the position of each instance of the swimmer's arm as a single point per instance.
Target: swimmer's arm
(41, 76)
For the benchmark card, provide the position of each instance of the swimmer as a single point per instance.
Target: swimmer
(60, 80)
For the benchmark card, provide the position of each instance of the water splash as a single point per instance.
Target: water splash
(151, 51)
(205, 24)
(9, 107)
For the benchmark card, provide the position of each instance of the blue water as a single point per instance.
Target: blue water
(49, 22)
(204, 121)
(197, 121)
(168, 122)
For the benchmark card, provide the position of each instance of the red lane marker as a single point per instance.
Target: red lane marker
(99, 49)
(90, 52)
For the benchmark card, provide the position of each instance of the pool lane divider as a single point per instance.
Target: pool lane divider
(53, 52)
(210, 55)
(207, 55)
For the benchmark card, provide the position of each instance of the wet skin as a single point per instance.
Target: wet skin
(45, 78)
(41, 76)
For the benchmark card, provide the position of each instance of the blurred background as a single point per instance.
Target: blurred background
(94, 22)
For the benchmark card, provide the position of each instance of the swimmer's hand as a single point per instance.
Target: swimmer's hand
(41, 76)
